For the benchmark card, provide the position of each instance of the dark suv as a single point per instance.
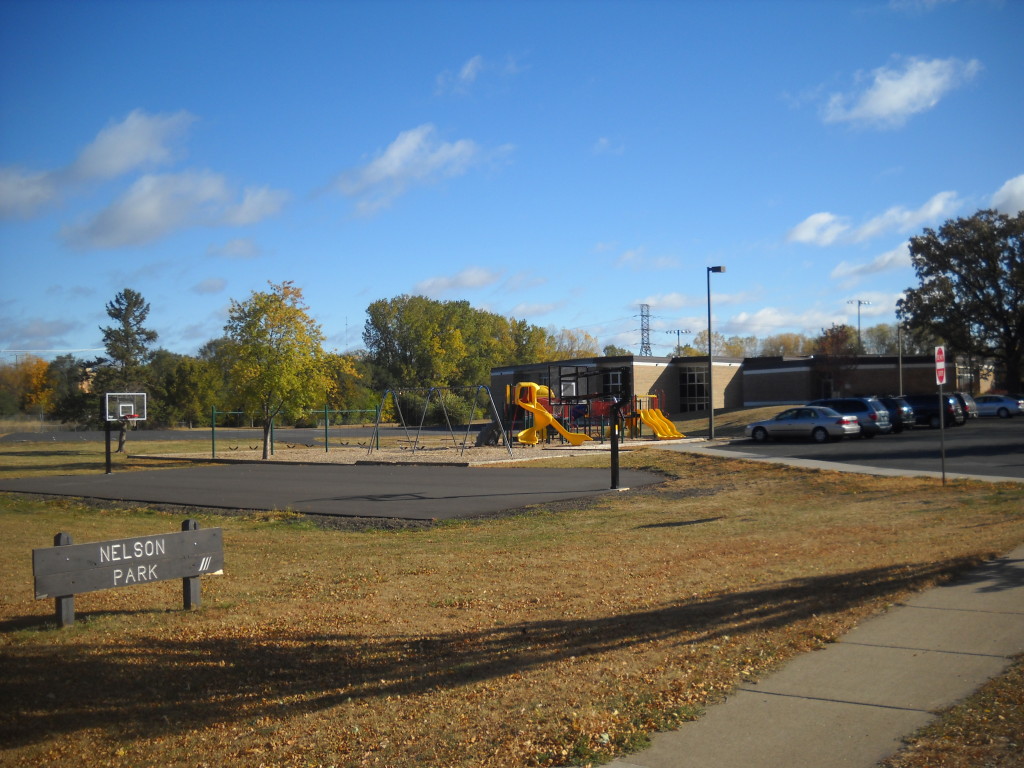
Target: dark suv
(901, 413)
(870, 413)
(926, 410)
(970, 407)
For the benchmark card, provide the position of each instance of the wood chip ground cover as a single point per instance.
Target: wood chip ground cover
(558, 636)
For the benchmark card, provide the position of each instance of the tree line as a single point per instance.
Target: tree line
(270, 362)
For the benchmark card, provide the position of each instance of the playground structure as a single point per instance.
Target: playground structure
(528, 397)
(580, 403)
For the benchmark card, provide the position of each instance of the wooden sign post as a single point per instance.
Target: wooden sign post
(68, 569)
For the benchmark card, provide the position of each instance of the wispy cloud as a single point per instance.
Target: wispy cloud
(460, 81)
(35, 333)
(637, 259)
(819, 229)
(24, 193)
(415, 157)
(605, 146)
(258, 203)
(468, 279)
(900, 219)
(140, 141)
(772, 320)
(210, 285)
(893, 94)
(237, 248)
(830, 229)
(158, 204)
(850, 274)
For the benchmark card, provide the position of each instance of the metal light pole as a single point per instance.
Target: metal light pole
(711, 385)
(859, 303)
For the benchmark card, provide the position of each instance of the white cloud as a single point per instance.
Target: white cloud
(210, 285)
(897, 92)
(414, 157)
(636, 259)
(818, 229)
(151, 208)
(156, 205)
(828, 229)
(238, 248)
(900, 219)
(528, 311)
(23, 193)
(139, 141)
(468, 279)
(258, 203)
(459, 82)
(663, 301)
(772, 320)
(897, 258)
(605, 146)
(1010, 197)
(34, 333)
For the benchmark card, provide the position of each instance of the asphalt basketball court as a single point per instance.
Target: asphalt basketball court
(400, 492)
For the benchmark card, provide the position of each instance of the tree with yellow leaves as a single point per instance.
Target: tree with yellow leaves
(277, 358)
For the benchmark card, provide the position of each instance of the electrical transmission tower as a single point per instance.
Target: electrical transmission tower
(645, 330)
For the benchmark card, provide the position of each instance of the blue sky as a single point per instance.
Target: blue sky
(559, 162)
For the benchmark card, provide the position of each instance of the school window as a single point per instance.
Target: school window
(693, 388)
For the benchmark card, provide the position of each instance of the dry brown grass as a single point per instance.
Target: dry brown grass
(987, 729)
(558, 635)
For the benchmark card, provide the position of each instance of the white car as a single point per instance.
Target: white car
(999, 405)
(815, 422)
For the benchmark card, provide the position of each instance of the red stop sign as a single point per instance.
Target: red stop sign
(940, 365)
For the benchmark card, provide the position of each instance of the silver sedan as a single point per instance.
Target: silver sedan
(999, 405)
(815, 422)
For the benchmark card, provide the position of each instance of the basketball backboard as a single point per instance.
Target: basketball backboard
(125, 406)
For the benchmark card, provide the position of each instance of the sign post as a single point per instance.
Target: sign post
(940, 379)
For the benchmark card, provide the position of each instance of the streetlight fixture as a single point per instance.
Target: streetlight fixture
(860, 303)
(678, 333)
(711, 387)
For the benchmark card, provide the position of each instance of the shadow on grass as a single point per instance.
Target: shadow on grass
(160, 685)
(680, 523)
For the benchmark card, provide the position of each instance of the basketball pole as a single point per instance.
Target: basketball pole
(106, 428)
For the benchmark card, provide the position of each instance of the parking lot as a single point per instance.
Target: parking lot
(991, 447)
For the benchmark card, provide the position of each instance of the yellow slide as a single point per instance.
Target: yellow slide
(542, 418)
(657, 421)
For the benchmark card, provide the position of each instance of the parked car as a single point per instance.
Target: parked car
(870, 413)
(926, 410)
(1003, 406)
(967, 403)
(901, 413)
(819, 424)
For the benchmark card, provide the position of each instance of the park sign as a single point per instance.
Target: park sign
(68, 569)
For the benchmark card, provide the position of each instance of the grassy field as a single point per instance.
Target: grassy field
(560, 635)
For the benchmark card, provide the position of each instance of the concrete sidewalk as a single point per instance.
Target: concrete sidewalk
(850, 704)
(702, 446)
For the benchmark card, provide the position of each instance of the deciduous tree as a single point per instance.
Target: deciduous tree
(277, 358)
(971, 288)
